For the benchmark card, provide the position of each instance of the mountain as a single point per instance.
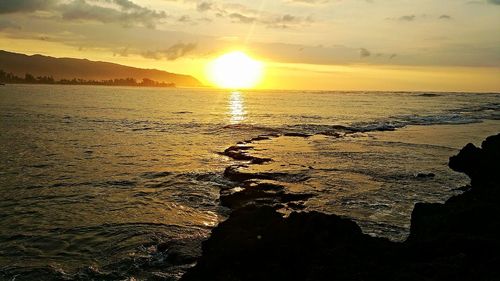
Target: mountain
(69, 68)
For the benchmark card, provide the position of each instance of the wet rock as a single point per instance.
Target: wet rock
(259, 138)
(424, 175)
(463, 188)
(238, 148)
(293, 134)
(263, 137)
(238, 197)
(458, 240)
(331, 134)
(473, 215)
(178, 252)
(238, 152)
(299, 205)
(236, 173)
(260, 193)
(264, 185)
(257, 160)
(257, 243)
(481, 165)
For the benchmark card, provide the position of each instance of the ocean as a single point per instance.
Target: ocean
(110, 183)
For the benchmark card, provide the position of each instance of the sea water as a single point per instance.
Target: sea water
(93, 179)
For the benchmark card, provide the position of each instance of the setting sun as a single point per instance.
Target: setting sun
(324, 139)
(235, 70)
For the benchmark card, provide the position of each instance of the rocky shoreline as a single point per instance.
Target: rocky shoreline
(265, 188)
(458, 240)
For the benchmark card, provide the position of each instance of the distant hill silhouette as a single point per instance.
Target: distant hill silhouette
(69, 68)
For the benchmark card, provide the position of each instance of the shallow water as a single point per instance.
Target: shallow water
(93, 179)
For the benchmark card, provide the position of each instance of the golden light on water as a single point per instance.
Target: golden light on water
(236, 106)
(235, 70)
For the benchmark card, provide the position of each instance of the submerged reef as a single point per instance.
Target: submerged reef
(457, 240)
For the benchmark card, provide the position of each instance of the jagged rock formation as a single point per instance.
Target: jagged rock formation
(458, 240)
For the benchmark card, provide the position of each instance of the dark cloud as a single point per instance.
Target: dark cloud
(172, 53)
(239, 13)
(24, 6)
(5, 24)
(287, 21)
(364, 53)
(126, 4)
(184, 18)
(204, 6)
(494, 2)
(122, 11)
(126, 12)
(445, 17)
(241, 18)
(122, 52)
(284, 21)
(407, 18)
(411, 18)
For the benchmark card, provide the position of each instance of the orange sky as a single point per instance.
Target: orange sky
(446, 45)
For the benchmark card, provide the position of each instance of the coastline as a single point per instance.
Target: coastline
(374, 178)
(157, 186)
(457, 240)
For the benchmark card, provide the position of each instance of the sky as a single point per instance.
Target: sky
(424, 45)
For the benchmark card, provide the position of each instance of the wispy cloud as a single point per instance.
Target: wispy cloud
(25, 6)
(364, 53)
(125, 12)
(172, 53)
(407, 18)
(6, 24)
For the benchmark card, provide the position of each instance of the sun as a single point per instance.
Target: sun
(235, 70)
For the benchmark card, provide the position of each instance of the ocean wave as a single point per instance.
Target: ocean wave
(458, 116)
(429, 95)
(244, 126)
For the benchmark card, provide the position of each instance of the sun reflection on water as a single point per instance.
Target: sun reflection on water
(236, 108)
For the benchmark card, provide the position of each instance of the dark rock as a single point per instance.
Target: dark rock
(260, 193)
(178, 252)
(331, 134)
(257, 160)
(481, 165)
(260, 138)
(299, 205)
(425, 175)
(257, 243)
(238, 148)
(476, 211)
(264, 185)
(293, 134)
(235, 173)
(458, 240)
(263, 137)
(240, 197)
(238, 152)
(463, 188)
